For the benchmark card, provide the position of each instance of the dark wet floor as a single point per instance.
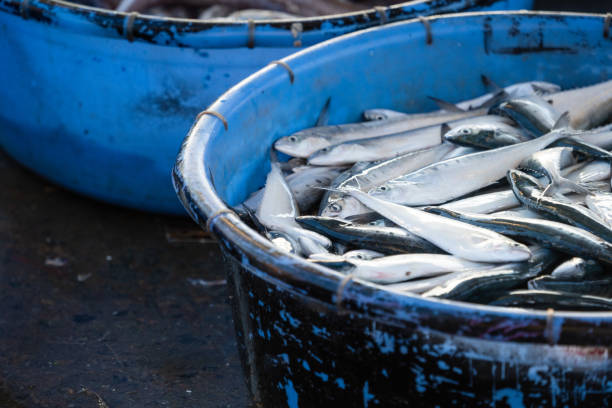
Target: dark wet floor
(102, 305)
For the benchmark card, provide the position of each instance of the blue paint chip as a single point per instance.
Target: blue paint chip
(322, 376)
(305, 364)
(340, 383)
(367, 397)
(292, 396)
(442, 365)
(513, 397)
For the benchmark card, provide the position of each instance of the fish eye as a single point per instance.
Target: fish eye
(380, 117)
(292, 139)
(465, 131)
(335, 207)
(382, 188)
(325, 149)
(359, 256)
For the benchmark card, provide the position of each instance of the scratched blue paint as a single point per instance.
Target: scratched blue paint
(384, 341)
(305, 365)
(512, 397)
(442, 365)
(320, 331)
(321, 375)
(292, 396)
(340, 383)
(284, 357)
(367, 397)
(288, 318)
(420, 381)
(315, 356)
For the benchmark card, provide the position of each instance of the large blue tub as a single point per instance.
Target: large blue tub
(99, 101)
(307, 337)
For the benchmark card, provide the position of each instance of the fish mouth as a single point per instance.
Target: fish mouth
(288, 149)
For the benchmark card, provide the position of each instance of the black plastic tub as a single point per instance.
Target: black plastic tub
(308, 336)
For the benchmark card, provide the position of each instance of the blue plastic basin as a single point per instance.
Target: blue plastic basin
(307, 337)
(102, 109)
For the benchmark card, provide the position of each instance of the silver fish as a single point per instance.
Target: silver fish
(521, 212)
(303, 184)
(601, 204)
(589, 106)
(519, 90)
(452, 178)
(383, 114)
(485, 135)
(532, 113)
(388, 146)
(341, 205)
(577, 269)
(357, 254)
(308, 141)
(485, 203)
(332, 193)
(548, 163)
(398, 268)
(455, 237)
(278, 209)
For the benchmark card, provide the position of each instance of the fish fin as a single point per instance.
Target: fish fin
(540, 92)
(488, 82)
(250, 214)
(497, 98)
(563, 122)
(595, 186)
(274, 158)
(583, 148)
(323, 118)
(444, 129)
(447, 106)
(572, 185)
(212, 179)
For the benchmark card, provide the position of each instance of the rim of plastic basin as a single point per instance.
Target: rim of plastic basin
(220, 34)
(195, 189)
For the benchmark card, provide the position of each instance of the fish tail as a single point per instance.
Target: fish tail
(565, 185)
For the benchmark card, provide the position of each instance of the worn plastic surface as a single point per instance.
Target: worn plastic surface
(83, 105)
(310, 339)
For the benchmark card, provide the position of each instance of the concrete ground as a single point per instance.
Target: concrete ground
(103, 305)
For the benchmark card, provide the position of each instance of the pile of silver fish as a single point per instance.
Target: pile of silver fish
(237, 10)
(503, 199)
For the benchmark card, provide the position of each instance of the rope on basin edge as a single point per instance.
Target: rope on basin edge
(251, 40)
(425, 22)
(215, 114)
(287, 67)
(213, 217)
(24, 8)
(606, 30)
(340, 291)
(382, 14)
(129, 25)
(549, 331)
